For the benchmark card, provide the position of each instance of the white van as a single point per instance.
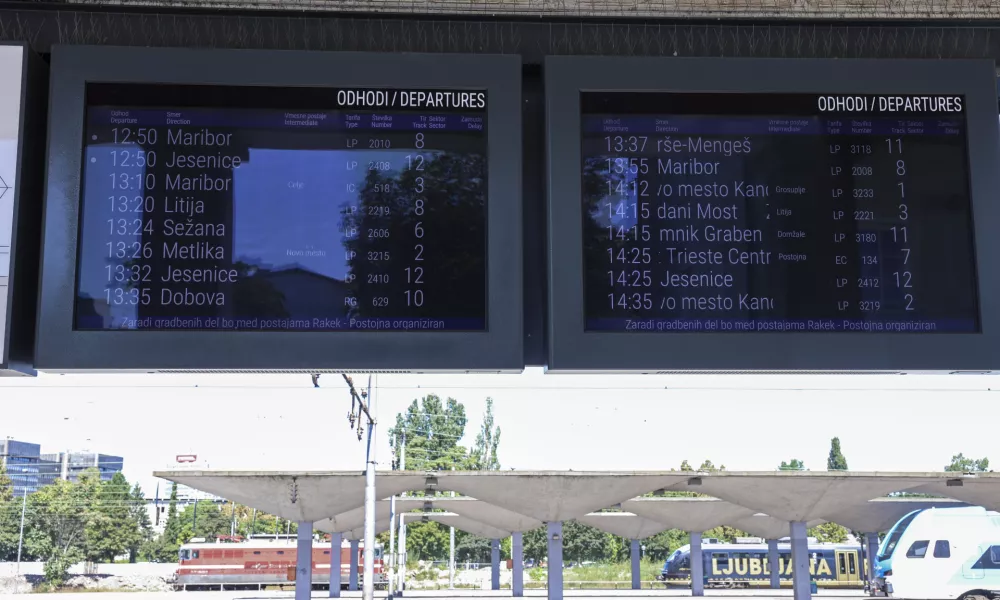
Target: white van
(948, 553)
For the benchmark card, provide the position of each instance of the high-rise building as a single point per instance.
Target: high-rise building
(21, 461)
(69, 466)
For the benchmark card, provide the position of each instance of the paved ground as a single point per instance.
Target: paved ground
(442, 595)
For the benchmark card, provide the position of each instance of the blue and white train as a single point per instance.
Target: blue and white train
(942, 553)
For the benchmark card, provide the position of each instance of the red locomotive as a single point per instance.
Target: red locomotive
(262, 561)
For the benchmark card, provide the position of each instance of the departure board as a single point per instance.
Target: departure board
(282, 209)
(767, 212)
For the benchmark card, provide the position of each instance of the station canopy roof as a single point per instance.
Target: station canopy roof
(499, 502)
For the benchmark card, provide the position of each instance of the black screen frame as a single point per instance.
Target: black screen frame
(60, 348)
(572, 349)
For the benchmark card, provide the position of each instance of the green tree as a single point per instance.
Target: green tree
(836, 460)
(829, 532)
(426, 540)
(725, 533)
(582, 542)
(9, 517)
(535, 544)
(662, 545)
(472, 548)
(165, 547)
(483, 456)
(140, 517)
(432, 429)
(794, 465)
(961, 464)
(57, 524)
(202, 519)
(111, 529)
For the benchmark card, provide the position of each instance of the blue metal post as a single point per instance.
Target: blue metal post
(555, 570)
(697, 566)
(353, 580)
(636, 556)
(773, 565)
(303, 560)
(336, 540)
(800, 561)
(517, 557)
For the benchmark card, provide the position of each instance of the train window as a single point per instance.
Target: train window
(184, 554)
(326, 552)
(989, 560)
(256, 551)
(378, 553)
(721, 560)
(843, 564)
(281, 551)
(893, 539)
(942, 549)
(918, 549)
(851, 564)
(195, 553)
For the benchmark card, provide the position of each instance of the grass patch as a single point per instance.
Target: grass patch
(603, 572)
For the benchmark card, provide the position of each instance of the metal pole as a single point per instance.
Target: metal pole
(401, 556)
(391, 559)
(368, 591)
(451, 553)
(451, 560)
(20, 535)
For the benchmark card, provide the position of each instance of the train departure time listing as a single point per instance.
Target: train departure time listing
(739, 212)
(283, 209)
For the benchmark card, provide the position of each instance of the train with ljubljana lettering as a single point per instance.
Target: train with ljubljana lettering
(262, 561)
(745, 565)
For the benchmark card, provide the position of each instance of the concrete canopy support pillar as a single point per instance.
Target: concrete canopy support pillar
(800, 561)
(336, 540)
(303, 560)
(517, 557)
(494, 564)
(636, 556)
(773, 566)
(555, 570)
(871, 553)
(352, 582)
(697, 566)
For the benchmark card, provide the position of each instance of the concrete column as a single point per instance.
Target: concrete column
(773, 564)
(555, 547)
(303, 560)
(336, 540)
(517, 557)
(800, 561)
(494, 564)
(636, 556)
(352, 582)
(871, 552)
(697, 566)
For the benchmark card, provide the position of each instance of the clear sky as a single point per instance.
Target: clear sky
(594, 422)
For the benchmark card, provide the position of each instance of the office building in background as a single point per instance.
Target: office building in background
(21, 460)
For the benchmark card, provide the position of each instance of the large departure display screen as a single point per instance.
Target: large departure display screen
(282, 209)
(765, 212)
